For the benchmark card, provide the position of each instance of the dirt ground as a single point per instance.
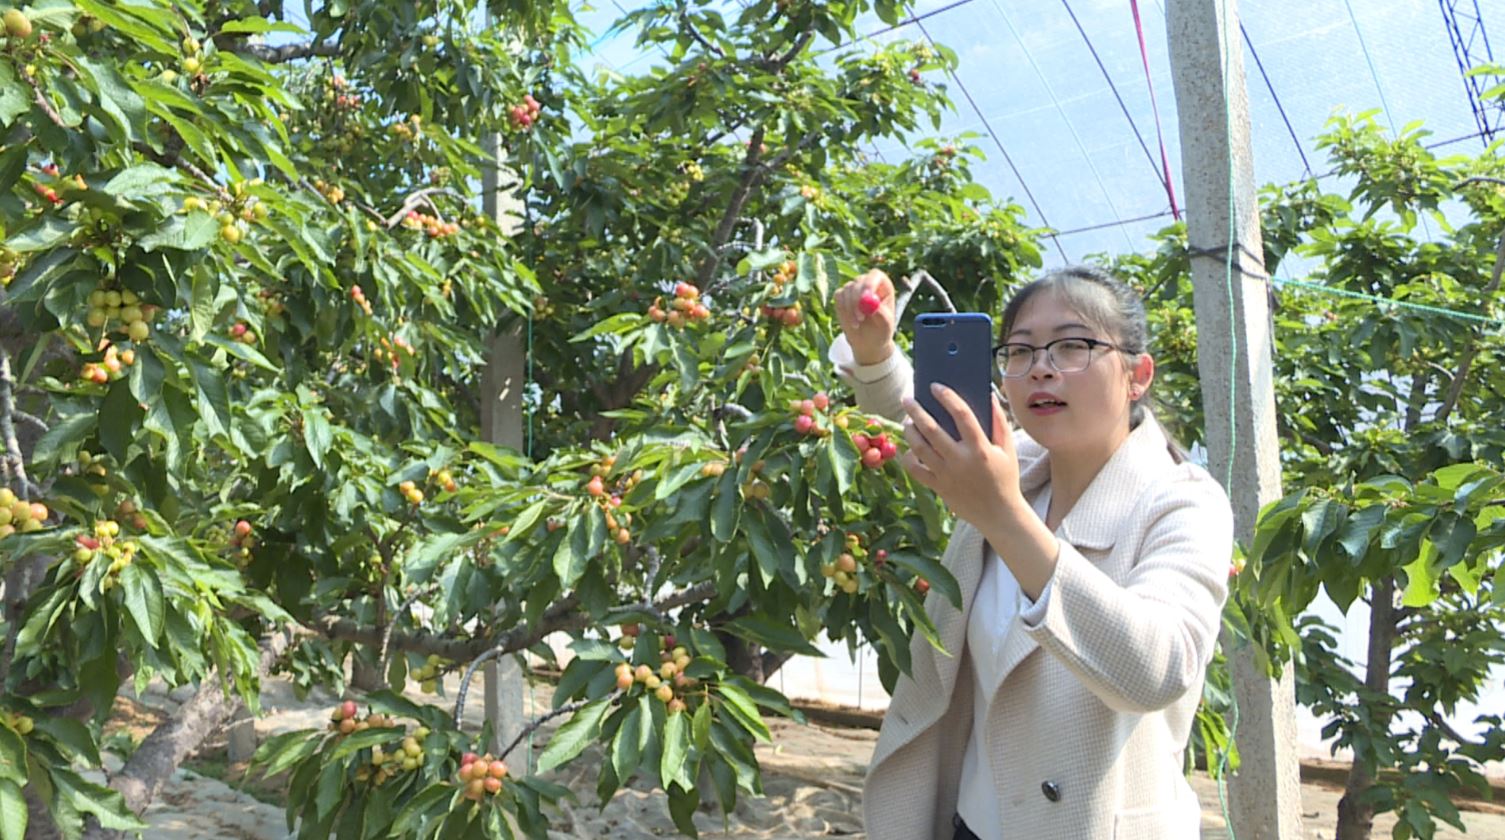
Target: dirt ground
(812, 780)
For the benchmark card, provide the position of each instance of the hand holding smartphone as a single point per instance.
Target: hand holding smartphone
(955, 349)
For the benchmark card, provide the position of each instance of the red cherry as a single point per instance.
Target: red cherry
(821, 401)
(872, 458)
(869, 303)
(888, 449)
(860, 441)
(804, 423)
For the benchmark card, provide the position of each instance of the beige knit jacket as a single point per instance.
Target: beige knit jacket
(1088, 730)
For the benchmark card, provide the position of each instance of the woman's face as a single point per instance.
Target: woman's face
(1086, 410)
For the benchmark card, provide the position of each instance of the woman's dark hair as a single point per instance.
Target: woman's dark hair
(1103, 301)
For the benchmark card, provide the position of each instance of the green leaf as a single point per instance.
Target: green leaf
(12, 105)
(281, 752)
(259, 25)
(618, 323)
(727, 508)
(683, 802)
(317, 435)
(12, 756)
(939, 577)
(1319, 521)
(242, 351)
(1358, 530)
(119, 413)
(214, 403)
(676, 751)
(143, 601)
(1451, 533)
(764, 551)
(1421, 580)
(71, 735)
(48, 234)
(772, 634)
(106, 805)
(435, 551)
(627, 745)
(357, 741)
(745, 711)
(575, 736)
(203, 294)
(328, 788)
(700, 727)
(64, 434)
(12, 811)
(142, 181)
(188, 232)
(576, 676)
(843, 457)
(569, 564)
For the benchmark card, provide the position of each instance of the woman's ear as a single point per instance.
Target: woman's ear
(1141, 374)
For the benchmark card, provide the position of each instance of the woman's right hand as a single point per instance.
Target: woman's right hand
(871, 336)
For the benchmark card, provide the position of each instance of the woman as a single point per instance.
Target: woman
(1093, 565)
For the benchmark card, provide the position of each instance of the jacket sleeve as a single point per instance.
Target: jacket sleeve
(880, 388)
(1142, 645)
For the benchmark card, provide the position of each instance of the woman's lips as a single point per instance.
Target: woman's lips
(1043, 402)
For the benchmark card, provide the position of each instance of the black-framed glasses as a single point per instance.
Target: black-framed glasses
(1067, 355)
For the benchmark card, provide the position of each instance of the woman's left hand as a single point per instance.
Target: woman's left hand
(977, 476)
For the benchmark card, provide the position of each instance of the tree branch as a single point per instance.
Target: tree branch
(521, 637)
(780, 62)
(41, 102)
(15, 463)
(288, 52)
(1478, 179)
(700, 39)
(1455, 388)
(158, 757)
(384, 652)
(412, 201)
(1443, 727)
(568, 708)
(922, 276)
(175, 160)
(752, 174)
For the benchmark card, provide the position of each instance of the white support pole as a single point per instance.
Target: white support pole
(1234, 341)
(502, 423)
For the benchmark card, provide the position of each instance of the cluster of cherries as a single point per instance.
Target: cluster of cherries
(685, 308)
(432, 225)
(525, 114)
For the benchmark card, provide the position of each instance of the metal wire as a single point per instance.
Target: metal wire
(1305, 166)
(1108, 77)
(1049, 91)
(1006, 159)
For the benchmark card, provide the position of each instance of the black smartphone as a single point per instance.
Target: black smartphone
(955, 349)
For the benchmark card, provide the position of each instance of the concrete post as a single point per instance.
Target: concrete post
(502, 423)
(1234, 342)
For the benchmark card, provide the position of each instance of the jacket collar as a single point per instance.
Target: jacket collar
(1097, 519)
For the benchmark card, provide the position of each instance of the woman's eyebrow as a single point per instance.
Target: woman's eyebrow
(1068, 327)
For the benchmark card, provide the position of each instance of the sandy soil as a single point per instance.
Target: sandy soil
(812, 778)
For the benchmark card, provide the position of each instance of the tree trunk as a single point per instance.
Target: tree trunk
(750, 660)
(365, 674)
(1356, 818)
(158, 757)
